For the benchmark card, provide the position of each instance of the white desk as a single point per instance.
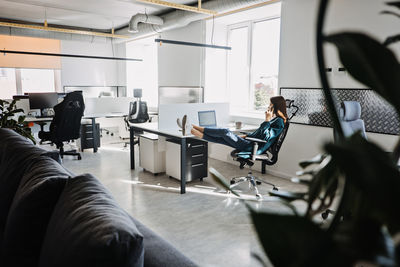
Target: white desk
(39, 121)
(35, 119)
(172, 133)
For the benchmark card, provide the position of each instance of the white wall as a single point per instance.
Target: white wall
(180, 65)
(298, 66)
(143, 74)
(88, 72)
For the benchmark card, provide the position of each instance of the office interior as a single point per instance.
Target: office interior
(272, 51)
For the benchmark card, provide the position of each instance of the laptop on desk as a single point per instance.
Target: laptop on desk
(207, 118)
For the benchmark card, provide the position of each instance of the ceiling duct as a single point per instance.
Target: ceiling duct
(143, 18)
(180, 18)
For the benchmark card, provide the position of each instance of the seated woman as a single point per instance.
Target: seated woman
(269, 130)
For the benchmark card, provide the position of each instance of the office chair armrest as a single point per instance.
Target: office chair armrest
(255, 140)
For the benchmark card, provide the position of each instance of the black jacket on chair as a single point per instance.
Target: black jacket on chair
(66, 122)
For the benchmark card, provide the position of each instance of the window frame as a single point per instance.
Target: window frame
(250, 26)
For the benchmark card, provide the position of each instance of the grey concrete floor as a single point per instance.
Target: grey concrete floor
(206, 224)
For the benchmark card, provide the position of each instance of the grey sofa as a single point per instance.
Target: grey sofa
(51, 217)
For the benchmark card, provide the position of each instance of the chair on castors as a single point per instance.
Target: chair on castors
(66, 123)
(350, 119)
(270, 157)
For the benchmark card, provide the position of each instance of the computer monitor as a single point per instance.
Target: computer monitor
(207, 118)
(19, 97)
(42, 100)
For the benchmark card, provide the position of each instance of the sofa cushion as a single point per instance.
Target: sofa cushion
(29, 215)
(88, 228)
(160, 253)
(17, 153)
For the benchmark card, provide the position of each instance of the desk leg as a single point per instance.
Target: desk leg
(94, 135)
(183, 165)
(132, 146)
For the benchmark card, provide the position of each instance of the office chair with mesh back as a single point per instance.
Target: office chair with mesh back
(270, 157)
(66, 123)
(350, 119)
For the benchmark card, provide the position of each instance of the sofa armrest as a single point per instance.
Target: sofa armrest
(158, 252)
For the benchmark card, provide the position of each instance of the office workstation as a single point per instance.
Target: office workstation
(199, 133)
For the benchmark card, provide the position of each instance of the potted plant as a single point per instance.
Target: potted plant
(360, 175)
(10, 117)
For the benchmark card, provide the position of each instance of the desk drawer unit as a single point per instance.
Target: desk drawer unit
(196, 159)
(87, 136)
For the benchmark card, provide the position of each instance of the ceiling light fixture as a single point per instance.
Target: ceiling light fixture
(165, 41)
(67, 55)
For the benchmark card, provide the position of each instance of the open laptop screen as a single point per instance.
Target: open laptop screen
(207, 118)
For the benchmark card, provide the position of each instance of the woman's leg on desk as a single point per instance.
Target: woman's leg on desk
(222, 136)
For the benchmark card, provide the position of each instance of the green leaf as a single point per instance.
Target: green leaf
(21, 119)
(391, 40)
(374, 173)
(386, 12)
(221, 180)
(394, 4)
(315, 160)
(365, 240)
(325, 172)
(291, 240)
(371, 63)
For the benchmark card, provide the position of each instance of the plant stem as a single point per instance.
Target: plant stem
(321, 68)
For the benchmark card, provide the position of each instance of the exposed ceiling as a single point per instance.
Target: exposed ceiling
(91, 14)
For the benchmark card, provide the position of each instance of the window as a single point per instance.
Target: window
(8, 86)
(238, 68)
(253, 64)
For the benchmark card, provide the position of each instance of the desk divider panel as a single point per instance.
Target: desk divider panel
(104, 105)
(378, 115)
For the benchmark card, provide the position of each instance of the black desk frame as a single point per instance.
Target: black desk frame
(182, 140)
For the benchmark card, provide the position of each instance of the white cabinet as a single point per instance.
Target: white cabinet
(150, 158)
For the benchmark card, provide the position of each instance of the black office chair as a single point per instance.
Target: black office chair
(270, 157)
(66, 123)
(137, 114)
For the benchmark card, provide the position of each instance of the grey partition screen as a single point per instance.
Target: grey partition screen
(180, 94)
(98, 91)
(378, 115)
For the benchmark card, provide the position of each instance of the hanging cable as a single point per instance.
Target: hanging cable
(212, 31)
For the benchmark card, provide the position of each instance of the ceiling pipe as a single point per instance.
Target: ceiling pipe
(62, 30)
(180, 18)
(143, 18)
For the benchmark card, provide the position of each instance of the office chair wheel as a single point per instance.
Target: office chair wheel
(258, 196)
(258, 182)
(233, 181)
(275, 188)
(79, 157)
(112, 134)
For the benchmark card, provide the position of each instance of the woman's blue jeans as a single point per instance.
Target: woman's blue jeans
(226, 137)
